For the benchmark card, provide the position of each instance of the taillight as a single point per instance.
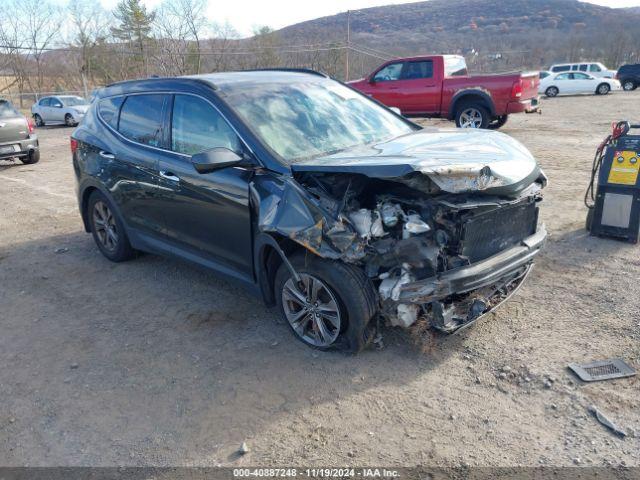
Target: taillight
(74, 145)
(617, 77)
(30, 125)
(516, 90)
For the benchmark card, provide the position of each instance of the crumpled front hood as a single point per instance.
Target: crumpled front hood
(456, 160)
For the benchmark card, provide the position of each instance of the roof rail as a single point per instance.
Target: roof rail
(284, 69)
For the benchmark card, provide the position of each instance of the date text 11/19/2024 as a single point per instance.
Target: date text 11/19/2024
(316, 472)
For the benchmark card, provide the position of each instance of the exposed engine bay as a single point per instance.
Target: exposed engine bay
(409, 235)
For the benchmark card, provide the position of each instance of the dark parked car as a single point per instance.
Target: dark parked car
(17, 137)
(316, 197)
(629, 76)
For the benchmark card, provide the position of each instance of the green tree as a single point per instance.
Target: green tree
(135, 24)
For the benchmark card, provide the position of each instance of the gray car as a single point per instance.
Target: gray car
(68, 110)
(17, 137)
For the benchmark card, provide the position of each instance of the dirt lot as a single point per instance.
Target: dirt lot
(155, 362)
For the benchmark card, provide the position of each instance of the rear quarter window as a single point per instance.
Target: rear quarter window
(561, 68)
(109, 108)
(141, 119)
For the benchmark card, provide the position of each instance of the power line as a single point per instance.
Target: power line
(257, 50)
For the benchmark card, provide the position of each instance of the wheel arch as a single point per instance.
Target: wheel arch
(85, 193)
(270, 252)
(480, 96)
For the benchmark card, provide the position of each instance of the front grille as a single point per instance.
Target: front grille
(488, 233)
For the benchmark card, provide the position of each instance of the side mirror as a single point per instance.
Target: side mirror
(215, 159)
(372, 81)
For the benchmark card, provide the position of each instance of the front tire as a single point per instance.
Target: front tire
(552, 92)
(69, 121)
(107, 229)
(39, 121)
(472, 115)
(331, 307)
(603, 89)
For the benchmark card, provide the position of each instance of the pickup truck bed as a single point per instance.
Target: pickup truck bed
(439, 86)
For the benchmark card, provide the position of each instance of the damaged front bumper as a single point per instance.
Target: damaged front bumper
(457, 298)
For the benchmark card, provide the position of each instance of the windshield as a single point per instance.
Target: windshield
(305, 119)
(73, 101)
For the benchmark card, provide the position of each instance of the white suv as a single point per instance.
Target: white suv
(595, 69)
(65, 109)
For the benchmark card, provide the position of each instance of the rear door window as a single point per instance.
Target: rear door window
(197, 126)
(109, 108)
(417, 70)
(141, 119)
(584, 67)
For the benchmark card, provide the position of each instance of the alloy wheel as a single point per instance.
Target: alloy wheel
(68, 120)
(628, 86)
(470, 118)
(603, 89)
(312, 310)
(38, 120)
(105, 226)
(551, 92)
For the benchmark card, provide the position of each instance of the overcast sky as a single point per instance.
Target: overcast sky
(244, 15)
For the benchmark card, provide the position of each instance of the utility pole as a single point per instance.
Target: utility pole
(346, 57)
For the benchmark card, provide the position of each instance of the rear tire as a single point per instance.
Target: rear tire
(603, 89)
(33, 157)
(472, 115)
(39, 121)
(498, 122)
(355, 302)
(628, 85)
(552, 92)
(107, 229)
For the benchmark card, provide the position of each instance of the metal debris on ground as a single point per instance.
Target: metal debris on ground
(602, 418)
(602, 370)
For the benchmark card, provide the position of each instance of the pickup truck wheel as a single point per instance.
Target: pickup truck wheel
(603, 89)
(628, 85)
(498, 122)
(471, 115)
(552, 92)
(331, 306)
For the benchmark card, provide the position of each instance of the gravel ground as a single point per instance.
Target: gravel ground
(155, 362)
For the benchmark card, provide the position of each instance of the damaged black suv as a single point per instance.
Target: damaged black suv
(329, 205)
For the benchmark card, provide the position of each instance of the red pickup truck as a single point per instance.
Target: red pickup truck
(440, 86)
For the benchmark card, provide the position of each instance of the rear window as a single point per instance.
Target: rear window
(141, 119)
(45, 102)
(7, 110)
(108, 108)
